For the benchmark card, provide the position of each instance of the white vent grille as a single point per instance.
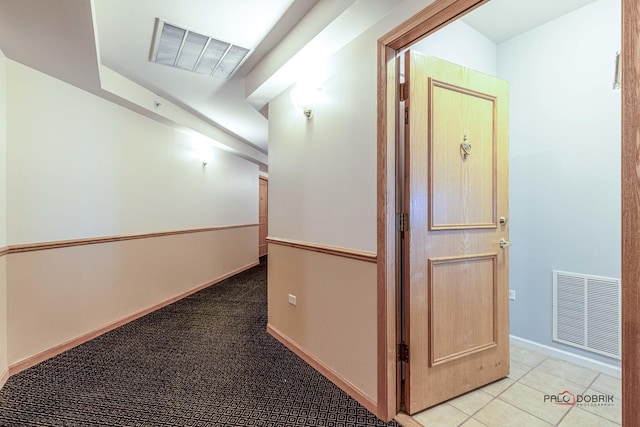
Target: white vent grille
(586, 312)
(188, 50)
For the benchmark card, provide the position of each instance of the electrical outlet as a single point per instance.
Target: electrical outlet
(512, 295)
(292, 299)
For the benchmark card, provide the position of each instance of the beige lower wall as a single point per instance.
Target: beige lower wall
(58, 295)
(334, 320)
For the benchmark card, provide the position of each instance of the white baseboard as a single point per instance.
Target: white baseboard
(605, 368)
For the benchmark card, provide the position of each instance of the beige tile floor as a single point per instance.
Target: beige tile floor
(519, 399)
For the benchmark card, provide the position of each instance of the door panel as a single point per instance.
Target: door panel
(462, 193)
(456, 273)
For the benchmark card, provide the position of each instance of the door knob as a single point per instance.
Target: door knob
(505, 243)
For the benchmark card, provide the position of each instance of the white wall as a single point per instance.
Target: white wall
(462, 45)
(80, 166)
(3, 218)
(564, 159)
(3, 152)
(322, 172)
(322, 190)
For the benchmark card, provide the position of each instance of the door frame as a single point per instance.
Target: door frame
(266, 180)
(432, 18)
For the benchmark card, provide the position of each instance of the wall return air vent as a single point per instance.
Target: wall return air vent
(181, 48)
(587, 312)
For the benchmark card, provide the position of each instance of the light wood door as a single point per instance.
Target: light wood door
(263, 206)
(456, 273)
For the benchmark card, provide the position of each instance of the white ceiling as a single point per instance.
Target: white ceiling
(103, 46)
(500, 20)
(125, 30)
(55, 38)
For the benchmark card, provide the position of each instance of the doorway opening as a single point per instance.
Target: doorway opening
(538, 153)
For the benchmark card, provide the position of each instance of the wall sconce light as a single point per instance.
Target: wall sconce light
(201, 147)
(305, 98)
(204, 153)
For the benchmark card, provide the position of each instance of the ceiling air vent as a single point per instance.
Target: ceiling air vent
(181, 48)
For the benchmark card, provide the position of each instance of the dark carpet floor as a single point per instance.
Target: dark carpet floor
(203, 361)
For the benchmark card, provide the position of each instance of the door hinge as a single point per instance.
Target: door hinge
(403, 95)
(403, 222)
(403, 352)
(406, 115)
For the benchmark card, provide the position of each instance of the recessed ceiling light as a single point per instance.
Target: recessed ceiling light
(181, 48)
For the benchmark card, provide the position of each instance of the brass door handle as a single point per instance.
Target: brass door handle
(505, 243)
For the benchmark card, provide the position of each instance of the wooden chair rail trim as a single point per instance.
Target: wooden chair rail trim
(13, 249)
(330, 250)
